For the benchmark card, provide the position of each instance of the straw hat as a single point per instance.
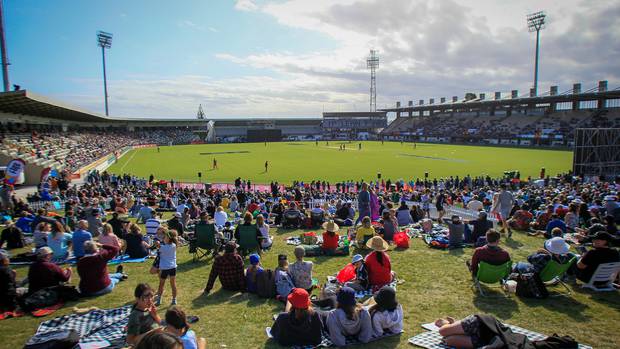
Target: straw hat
(331, 226)
(377, 243)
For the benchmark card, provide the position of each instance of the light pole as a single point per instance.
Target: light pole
(536, 22)
(104, 40)
(5, 59)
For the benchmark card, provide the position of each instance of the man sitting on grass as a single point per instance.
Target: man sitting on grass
(490, 253)
(229, 267)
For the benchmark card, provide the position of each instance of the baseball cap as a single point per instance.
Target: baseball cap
(346, 296)
(299, 298)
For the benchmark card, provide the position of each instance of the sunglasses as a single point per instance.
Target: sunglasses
(147, 296)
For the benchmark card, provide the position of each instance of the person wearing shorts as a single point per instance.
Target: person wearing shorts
(463, 333)
(168, 265)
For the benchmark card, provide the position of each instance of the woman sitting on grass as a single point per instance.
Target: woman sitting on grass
(386, 314)
(299, 325)
(349, 319)
(378, 264)
(364, 233)
(263, 227)
(283, 280)
(252, 273)
(330, 238)
(136, 246)
(109, 238)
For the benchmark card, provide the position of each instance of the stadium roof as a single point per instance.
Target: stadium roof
(510, 101)
(27, 103)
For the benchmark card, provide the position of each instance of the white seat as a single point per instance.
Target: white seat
(605, 272)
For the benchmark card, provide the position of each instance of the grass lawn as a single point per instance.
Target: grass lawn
(436, 284)
(306, 161)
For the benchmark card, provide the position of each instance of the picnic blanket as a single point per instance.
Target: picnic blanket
(72, 261)
(326, 342)
(433, 340)
(97, 328)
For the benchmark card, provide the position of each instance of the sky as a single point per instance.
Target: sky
(298, 58)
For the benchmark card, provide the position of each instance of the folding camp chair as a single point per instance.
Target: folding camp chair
(291, 220)
(247, 239)
(204, 242)
(553, 272)
(491, 274)
(317, 219)
(605, 273)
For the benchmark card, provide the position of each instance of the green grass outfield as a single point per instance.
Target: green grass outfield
(436, 284)
(306, 161)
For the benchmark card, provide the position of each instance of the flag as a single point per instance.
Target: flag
(14, 169)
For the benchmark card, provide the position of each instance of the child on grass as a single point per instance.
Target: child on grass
(168, 265)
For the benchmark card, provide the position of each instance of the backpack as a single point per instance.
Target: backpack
(530, 285)
(40, 299)
(266, 284)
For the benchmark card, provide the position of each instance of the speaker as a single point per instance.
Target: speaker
(378, 175)
(425, 174)
(199, 174)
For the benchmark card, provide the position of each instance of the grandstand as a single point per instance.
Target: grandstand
(548, 119)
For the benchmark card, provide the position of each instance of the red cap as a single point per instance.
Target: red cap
(299, 298)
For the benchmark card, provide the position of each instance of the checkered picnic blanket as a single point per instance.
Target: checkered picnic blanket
(433, 340)
(95, 326)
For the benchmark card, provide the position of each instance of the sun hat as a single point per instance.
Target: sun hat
(299, 298)
(357, 258)
(44, 251)
(557, 245)
(386, 298)
(254, 259)
(377, 243)
(331, 226)
(346, 296)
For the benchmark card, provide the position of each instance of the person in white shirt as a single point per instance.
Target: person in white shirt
(475, 204)
(181, 207)
(151, 225)
(386, 314)
(220, 216)
(266, 241)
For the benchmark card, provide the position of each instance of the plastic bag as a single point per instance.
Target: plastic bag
(346, 274)
(401, 240)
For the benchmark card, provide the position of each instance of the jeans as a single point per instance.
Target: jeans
(114, 279)
(523, 268)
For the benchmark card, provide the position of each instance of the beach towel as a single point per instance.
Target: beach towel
(433, 340)
(117, 260)
(103, 327)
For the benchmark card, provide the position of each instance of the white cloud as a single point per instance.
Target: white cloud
(427, 49)
(214, 30)
(246, 5)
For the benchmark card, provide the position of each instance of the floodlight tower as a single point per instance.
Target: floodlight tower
(5, 59)
(372, 63)
(536, 22)
(104, 40)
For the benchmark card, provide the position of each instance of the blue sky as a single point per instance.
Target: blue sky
(250, 58)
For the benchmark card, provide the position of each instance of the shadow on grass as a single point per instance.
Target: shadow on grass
(495, 304)
(514, 244)
(608, 298)
(222, 296)
(190, 264)
(565, 305)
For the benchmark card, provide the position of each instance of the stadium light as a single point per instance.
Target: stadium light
(372, 63)
(5, 59)
(536, 22)
(104, 40)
